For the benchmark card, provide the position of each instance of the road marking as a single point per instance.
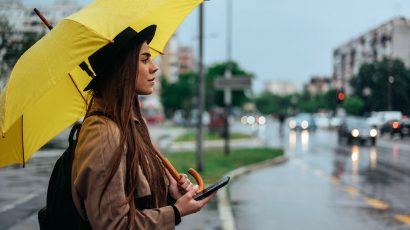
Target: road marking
(19, 201)
(351, 190)
(335, 180)
(403, 218)
(319, 173)
(377, 204)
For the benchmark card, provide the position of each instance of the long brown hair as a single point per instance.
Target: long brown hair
(117, 89)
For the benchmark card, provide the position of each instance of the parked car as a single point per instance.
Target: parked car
(357, 129)
(302, 121)
(217, 120)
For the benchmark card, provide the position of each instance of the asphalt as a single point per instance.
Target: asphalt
(220, 213)
(23, 191)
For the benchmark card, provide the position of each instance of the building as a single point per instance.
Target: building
(390, 39)
(319, 85)
(23, 19)
(185, 59)
(281, 88)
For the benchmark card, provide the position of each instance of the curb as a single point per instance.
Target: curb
(224, 206)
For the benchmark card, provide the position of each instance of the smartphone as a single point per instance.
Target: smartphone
(209, 190)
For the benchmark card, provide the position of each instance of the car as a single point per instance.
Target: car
(302, 121)
(379, 118)
(217, 120)
(357, 129)
(322, 120)
(405, 128)
(395, 127)
(392, 127)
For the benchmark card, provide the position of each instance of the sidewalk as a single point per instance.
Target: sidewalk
(208, 218)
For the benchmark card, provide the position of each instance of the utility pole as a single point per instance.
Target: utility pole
(201, 93)
(389, 93)
(228, 75)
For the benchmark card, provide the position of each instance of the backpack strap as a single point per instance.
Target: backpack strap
(99, 113)
(75, 130)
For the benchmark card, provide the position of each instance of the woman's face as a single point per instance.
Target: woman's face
(144, 84)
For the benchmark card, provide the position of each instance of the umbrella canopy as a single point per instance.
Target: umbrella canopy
(45, 92)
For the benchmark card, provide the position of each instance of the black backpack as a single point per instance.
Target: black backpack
(60, 212)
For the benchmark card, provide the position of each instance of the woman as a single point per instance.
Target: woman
(118, 182)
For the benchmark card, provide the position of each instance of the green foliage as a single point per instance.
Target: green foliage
(268, 103)
(13, 44)
(191, 136)
(353, 105)
(216, 97)
(217, 164)
(374, 78)
(182, 93)
(178, 95)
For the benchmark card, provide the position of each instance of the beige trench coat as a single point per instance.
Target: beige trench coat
(96, 144)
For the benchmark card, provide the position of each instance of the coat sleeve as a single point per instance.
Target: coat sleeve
(96, 145)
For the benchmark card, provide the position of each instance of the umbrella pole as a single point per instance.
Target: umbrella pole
(45, 21)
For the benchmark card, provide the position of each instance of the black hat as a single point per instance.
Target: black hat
(104, 56)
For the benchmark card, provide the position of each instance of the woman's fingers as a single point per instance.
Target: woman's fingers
(170, 177)
(183, 178)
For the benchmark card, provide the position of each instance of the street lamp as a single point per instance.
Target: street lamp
(389, 95)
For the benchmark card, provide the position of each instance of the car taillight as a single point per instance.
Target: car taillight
(396, 125)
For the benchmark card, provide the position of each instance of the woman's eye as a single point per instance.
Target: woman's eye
(145, 61)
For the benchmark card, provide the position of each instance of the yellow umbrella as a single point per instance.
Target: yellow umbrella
(44, 94)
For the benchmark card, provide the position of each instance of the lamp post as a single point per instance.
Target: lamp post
(201, 93)
(228, 75)
(389, 95)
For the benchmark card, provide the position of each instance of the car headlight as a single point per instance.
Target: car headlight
(355, 133)
(304, 124)
(251, 120)
(292, 124)
(261, 120)
(373, 132)
(244, 120)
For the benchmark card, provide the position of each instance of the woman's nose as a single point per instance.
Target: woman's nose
(154, 68)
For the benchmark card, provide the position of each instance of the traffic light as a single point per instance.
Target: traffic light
(340, 97)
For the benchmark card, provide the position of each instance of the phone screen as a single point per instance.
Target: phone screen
(211, 189)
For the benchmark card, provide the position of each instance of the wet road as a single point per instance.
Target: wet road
(23, 190)
(326, 185)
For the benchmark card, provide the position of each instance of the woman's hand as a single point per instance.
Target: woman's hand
(187, 205)
(178, 189)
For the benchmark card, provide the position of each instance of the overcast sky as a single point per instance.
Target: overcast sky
(285, 39)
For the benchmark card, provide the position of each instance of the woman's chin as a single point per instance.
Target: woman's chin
(146, 92)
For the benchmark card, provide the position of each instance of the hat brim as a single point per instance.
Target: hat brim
(102, 57)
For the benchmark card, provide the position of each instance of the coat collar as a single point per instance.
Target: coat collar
(98, 104)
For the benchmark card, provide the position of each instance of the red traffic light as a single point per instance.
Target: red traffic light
(340, 96)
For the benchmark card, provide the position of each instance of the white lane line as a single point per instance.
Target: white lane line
(19, 201)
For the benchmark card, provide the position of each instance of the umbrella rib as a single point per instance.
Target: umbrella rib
(91, 29)
(76, 86)
(22, 139)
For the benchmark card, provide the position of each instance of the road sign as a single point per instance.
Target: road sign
(237, 82)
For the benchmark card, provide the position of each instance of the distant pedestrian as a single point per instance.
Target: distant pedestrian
(281, 118)
(118, 181)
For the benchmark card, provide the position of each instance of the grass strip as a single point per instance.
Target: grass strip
(191, 136)
(217, 164)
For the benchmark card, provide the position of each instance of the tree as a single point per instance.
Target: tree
(178, 95)
(372, 85)
(216, 97)
(12, 45)
(353, 105)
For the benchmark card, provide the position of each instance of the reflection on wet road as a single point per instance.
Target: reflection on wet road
(366, 187)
